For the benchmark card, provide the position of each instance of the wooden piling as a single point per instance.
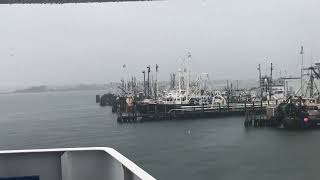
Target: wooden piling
(228, 105)
(98, 99)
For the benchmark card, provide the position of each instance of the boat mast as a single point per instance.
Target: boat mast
(260, 82)
(301, 81)
(179, 71)
(311, 83)
(270, 83)
(132, 86)
(148, 83)
(188, 74)
(156, 82)
(144, 83)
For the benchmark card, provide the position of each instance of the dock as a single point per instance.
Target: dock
(156, 112)
(292, 114)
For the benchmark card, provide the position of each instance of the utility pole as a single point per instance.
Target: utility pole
(144, 83)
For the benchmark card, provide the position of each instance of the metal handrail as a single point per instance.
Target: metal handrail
(136, 170)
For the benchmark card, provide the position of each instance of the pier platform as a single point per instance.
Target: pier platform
(156, 112)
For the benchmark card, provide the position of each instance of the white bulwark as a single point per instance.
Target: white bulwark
(94, 163)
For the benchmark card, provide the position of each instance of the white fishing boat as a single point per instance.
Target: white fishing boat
(176, 97)
(181, 93)
(187, 92)
(218, 99)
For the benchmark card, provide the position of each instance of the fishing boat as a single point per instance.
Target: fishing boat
(187, 92)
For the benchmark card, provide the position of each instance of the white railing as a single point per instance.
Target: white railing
(217, 107)
(96, 163)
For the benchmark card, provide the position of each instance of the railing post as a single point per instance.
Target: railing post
(253, 105)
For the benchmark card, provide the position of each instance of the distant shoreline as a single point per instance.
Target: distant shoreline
(55, 91)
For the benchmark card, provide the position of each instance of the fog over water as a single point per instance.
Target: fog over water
(89, 43)
(202, 149)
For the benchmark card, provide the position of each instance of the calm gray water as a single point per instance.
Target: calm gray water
(187, 150)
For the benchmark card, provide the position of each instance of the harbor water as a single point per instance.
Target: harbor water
(216, 148)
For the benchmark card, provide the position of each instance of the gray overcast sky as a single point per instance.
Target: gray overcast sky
(89, 43)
